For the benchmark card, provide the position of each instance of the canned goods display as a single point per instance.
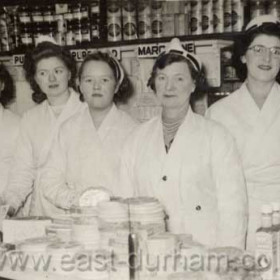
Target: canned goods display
(237, 15)
(116, 20)
(274, 8)
(144, 26)
(129, 28)
(94, 7)
(128, 8)
(156, 7)
(114, 8)
(70, 36)
(95, 21)
(86, 31)
(156, 26)
(168, 25)
(207, 17)
(24, 14)
(257, 8)
(144, 7)
(37, 14)
(218, 16)
(196, 17)
(227, 16)
(181, 24)
(114, 28)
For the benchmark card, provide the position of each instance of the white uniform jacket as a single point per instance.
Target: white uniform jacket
(37, 133)
(257, 134)
(199, 181)
(9, 126)
(86, 157)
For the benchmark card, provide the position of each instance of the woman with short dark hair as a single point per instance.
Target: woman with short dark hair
(187, 162)
(9, 123)
(252, 114)
(90, 145)
(51, 72)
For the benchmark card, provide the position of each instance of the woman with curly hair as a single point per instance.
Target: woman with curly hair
(9, 124)
(51, 72)
(90, 145)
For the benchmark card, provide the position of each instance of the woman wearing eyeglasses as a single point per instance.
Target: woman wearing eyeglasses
(187, 162)
(252, 115)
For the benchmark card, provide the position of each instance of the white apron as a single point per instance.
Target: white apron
(38, 129)
(257, 134)
(9, 127)
(86, 157)
(203, 192)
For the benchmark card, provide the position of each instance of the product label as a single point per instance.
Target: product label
(157, 28)
(153, 50)
(18, 59)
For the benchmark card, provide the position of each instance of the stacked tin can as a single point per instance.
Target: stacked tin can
(4, 35)
(114, 20)
(77, 24)
(238, 10)
(261, 7)
(257, 8)
(95, 20)
(156, 15)
(196, 17)
(129, 30)
(207, 17)
(144, 19)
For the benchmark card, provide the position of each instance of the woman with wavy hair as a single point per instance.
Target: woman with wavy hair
(9, 123)
(51, 72)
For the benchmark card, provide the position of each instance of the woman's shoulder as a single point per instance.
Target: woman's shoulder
(211, 127)
(226, 102)
(38, 109)
(10, 118)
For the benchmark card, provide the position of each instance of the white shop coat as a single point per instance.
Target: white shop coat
(86, 157)
(37, 132)
(257, 134)
(199, 181)
(9, 126)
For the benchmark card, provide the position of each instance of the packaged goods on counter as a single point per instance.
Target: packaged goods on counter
(266, 244)
(93, 195)
(18, 229)
(61, 232)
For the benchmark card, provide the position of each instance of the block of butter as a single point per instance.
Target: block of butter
(18, 229)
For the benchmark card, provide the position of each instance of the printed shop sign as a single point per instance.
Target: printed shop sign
(153, 50)
(78, 55)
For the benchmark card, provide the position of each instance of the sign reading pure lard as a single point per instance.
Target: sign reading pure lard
(153, 50)
(80, 54)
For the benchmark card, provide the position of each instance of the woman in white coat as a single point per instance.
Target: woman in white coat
(91, 143)
(51, 72)
(252, 115)
(9, 126)
(189, 163)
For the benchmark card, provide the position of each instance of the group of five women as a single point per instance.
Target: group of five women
(201, 170)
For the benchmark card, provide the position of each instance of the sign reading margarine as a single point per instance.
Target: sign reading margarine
(153, 50)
